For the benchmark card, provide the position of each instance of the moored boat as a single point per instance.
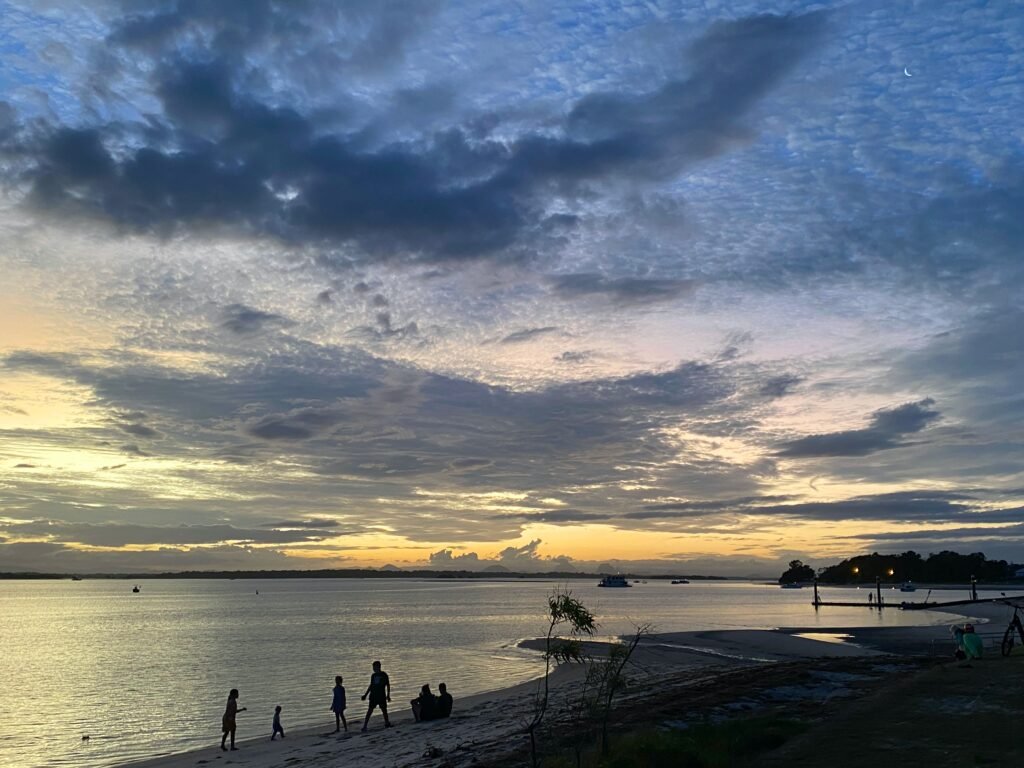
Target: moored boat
(614, 581)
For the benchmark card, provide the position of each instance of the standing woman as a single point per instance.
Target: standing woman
(338, 705)
(229, 719)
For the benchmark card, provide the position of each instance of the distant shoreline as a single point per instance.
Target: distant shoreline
(358, 573)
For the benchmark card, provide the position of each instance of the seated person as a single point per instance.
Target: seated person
(444, 702)
(972, 642)
(424, 706)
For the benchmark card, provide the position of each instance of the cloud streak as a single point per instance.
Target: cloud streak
(887, 430)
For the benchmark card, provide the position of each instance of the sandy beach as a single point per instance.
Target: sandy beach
(673, 675)
(487, 729)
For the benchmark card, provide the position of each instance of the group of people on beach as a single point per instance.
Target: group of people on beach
(426, 706)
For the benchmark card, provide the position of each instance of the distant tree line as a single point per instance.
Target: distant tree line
(937, 568)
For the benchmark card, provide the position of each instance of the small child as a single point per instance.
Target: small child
(338, 705)
(277, 723)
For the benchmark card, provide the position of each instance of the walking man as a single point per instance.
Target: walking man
(379, 692)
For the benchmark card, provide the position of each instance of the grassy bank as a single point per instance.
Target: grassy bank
(707, 745)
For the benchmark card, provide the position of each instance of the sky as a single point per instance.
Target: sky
(656, 286)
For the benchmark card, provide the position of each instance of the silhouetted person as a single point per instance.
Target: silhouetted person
(277, 723)
(338, 705)
(379, 692)
(228, 721)
(424, 706)
(444, 702)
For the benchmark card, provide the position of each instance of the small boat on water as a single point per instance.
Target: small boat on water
(614, 581)
(680, 581)
(76, 578)
(136, 588)
(792, 585)
(907, 586)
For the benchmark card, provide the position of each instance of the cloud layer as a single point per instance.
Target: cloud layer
(478, 285)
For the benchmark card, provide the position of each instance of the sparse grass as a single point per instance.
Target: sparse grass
(719, 745)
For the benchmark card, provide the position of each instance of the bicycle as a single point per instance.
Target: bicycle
(1015, 623)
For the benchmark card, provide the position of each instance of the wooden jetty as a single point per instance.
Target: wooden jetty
(905, 605)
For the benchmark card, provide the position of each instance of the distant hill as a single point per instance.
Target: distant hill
(390, 567)
(496, 569)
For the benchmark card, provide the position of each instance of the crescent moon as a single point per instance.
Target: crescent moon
(905, 72)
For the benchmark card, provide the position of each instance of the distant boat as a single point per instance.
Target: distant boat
(614, 581)
(136, 588)
(792, 585)
(76, 578)
(680, 581)
(907, 586)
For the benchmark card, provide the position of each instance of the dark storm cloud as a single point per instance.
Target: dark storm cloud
(300, 424)
(38, 362)
(906, 506)
(528, 334)
(115, 535)
(139, 430)
(953, 534)
(132, 422)
(621, 290)
(688, 385)
(245, 321)
(887, 430)
(778, 386)
(279, 429)
(710, 506)
(228, 159)
(560, 516)
(385, 329)
(307, 373)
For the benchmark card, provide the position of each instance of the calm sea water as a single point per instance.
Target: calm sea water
(146, 674)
